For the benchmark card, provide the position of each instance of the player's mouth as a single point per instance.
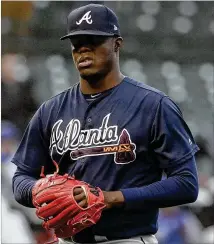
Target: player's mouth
(84, 62)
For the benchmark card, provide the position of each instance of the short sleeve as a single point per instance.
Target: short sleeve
(171, 139)
(33, 150)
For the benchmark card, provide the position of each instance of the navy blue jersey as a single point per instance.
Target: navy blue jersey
(123, 139)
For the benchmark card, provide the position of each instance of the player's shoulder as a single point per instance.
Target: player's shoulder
(63, 94)
(61, 97)
(52, 106)
(153, 95)
(143, 88)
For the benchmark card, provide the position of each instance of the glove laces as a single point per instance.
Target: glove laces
(42, 174)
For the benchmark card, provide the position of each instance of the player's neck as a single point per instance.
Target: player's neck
(110, 80)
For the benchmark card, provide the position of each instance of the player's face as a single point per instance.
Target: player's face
(92, 55)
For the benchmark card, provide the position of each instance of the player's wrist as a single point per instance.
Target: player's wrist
(113, 199)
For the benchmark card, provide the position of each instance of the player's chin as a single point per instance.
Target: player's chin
(87, 73)
(92, 78)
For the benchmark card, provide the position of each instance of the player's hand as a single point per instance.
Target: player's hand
(55, 198)
(80, 197)
(113, 199)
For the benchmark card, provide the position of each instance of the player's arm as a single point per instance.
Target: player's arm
(29, 158)
(180, 187)
(174, 149)
(22, 187)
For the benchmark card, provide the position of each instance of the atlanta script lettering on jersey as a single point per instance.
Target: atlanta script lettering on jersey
(92, 142)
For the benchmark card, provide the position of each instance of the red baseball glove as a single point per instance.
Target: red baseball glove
(54, 199)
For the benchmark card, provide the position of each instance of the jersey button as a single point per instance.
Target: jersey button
(89, 120)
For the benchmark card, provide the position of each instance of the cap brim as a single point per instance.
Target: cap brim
(86, 32)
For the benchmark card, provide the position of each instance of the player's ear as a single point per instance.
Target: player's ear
(118, 43)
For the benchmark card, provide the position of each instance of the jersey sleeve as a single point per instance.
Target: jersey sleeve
(33, 150)
(171, 139)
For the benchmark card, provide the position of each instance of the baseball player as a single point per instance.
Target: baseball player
(92, 157)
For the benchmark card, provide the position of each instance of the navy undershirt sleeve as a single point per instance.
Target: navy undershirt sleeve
(22, 184)
(180, 187)
(173, 147)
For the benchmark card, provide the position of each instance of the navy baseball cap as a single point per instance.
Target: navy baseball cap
(92, 19)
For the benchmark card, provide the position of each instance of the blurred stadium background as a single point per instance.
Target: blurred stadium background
(168, 45)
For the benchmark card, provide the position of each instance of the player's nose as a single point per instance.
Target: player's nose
(84, 48)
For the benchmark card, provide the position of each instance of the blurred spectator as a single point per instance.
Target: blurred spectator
(208, 235)
(23, 222)
(17, 101)
(15, 228)
(178, 226)
(12, 220)
(10, 137)
(204, 160)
